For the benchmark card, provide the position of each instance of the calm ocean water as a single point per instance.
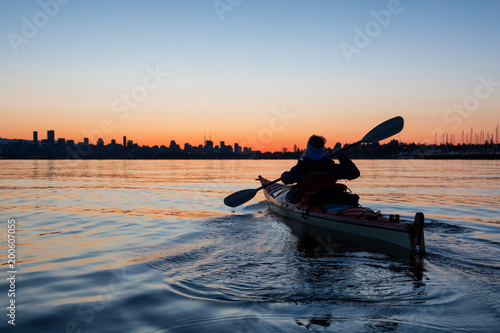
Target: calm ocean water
(148, 246)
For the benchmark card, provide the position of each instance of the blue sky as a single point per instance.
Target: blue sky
(227, 75)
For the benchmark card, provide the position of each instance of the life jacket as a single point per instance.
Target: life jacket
(306, 166)
(316, 181)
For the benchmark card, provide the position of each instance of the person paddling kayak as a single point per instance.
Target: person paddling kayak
(314, 161)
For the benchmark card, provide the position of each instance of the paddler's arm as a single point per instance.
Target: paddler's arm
(292, 176)
(348, 170)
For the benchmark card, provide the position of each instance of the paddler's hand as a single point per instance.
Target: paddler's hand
(336, 152)
(286, 177)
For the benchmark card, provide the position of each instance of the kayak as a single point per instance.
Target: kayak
(340, 223)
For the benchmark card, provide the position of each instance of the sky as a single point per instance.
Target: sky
(265, 74)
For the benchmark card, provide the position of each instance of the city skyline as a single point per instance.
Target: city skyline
(473, 138)
(61, 148)
(207, 146)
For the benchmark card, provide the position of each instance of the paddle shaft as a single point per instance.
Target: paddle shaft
(345, 148)
(270, 183)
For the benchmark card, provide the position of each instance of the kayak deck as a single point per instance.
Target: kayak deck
(346, 223)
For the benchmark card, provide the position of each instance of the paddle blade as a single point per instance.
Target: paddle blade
(239, 198)
(385, 130)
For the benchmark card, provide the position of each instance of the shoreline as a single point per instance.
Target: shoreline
(201, 157)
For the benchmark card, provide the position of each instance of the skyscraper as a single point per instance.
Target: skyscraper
(209, 146)
(35, 137)
(124, 141)
(50, 137)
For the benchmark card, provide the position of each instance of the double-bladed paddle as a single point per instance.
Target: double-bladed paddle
(383, 131)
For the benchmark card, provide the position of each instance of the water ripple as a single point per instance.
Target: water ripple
(148, 246)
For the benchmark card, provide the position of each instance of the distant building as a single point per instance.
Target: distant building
(86, 141)
(50, 137)
(113, 141)
(174, 147)
(61, 141)
(100, 142)
(237, 148)
(209, 146)
(130, 143)
(225, 149)
(35, 137)
(124, 141)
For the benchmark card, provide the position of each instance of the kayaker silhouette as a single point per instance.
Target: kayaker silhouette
(315, 170)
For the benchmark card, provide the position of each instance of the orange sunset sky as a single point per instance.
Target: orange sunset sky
(265, 75)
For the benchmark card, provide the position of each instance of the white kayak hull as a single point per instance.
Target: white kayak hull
(339, 223)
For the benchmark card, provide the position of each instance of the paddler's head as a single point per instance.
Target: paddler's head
(315, 147)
